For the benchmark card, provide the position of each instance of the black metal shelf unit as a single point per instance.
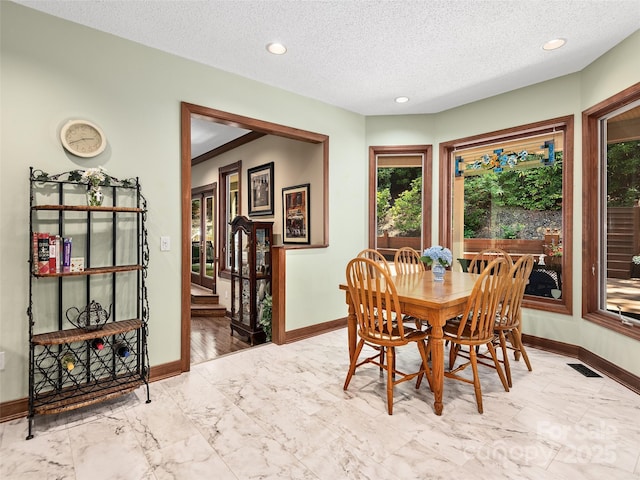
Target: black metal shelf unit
(71, 365)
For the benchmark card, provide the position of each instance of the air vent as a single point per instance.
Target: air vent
(586, 371)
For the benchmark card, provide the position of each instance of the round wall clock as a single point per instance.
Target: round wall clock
(82, 138)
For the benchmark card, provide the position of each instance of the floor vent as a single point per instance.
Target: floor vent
(586, 371)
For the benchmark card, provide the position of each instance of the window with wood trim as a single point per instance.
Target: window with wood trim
(611, 213)
(399, 197)
(512, 190)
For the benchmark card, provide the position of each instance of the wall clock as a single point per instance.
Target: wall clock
(83, 138)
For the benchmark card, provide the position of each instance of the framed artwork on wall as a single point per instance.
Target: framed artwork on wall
(260, 182)
(295, 214)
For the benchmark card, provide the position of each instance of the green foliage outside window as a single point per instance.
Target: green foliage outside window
(399, 201)
(532, 189)
(407, 210)
(623, 174)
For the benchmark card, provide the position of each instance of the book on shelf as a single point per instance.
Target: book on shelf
(43, 253)
(50, 252)
(66, 254)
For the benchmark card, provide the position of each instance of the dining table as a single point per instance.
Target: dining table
(424, 298)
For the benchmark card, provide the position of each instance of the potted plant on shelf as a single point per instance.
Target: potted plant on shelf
(265, 316)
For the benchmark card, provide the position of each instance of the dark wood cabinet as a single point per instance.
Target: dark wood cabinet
(88, 320)
(250, 276)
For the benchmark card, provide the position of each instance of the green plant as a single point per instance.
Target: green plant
(265, 316)
(406, 212)
(511, 231)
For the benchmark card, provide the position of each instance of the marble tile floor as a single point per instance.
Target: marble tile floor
(279, 412)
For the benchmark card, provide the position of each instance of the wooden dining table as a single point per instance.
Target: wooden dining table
(436, 302)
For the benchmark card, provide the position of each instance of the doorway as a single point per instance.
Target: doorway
(189, 111)
(203, 235)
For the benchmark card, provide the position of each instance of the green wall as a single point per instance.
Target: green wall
(52, 70)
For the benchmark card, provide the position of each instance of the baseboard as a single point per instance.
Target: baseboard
(15, 409)
(611, 370)
(166, 370)
(313, 330)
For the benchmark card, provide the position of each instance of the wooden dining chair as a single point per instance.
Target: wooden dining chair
(475, 327)
(407, 260)
(509, 316)
(376, 256)
(377, 309)
(483, 258)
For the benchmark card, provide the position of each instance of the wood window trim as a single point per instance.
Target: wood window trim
(445, 206)
(427, 190)
(591, 211)
(223, 174)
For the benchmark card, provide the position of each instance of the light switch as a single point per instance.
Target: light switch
(165, 244)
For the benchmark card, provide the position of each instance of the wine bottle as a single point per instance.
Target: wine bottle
(122, 350)
(98, 343)
(68, 361)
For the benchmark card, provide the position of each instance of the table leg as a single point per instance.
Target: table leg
(437, 366)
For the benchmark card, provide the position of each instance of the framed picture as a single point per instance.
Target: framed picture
(295, 214)
(260, 181)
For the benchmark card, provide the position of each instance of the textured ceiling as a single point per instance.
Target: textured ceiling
(361, 54)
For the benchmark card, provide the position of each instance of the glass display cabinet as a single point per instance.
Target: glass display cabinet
(250, 276)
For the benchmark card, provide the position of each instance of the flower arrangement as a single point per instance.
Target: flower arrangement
(94, 176)
(438, 255)
(636, 259)
(555, 250)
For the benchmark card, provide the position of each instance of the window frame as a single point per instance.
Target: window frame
(223, 174)
(563, 305)
(427, 190)
(591, 211)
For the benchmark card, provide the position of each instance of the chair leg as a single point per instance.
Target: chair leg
(453, 353)
(391, 355)
(518, 340)
(492, 350)
(352, 366)
(476, 378)
(505, 357)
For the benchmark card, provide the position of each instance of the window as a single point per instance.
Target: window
(611, 215)
(512, 190)
(399, 198)
(229, 209)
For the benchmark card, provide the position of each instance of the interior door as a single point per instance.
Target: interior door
(203, 235)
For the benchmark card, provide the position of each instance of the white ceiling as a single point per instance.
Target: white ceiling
(361, 54)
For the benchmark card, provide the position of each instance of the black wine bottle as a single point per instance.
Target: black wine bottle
(98, 343)
(122, 350)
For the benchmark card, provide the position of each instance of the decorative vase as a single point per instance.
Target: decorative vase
(438, 273)
(95, 196)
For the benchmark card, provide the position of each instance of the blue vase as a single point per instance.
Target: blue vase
(438, 273)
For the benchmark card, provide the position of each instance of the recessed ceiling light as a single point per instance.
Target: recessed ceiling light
(554, 44)
(276, 48)
(402, 99)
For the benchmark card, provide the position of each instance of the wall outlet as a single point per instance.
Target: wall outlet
(165, 244)
(1, 360)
